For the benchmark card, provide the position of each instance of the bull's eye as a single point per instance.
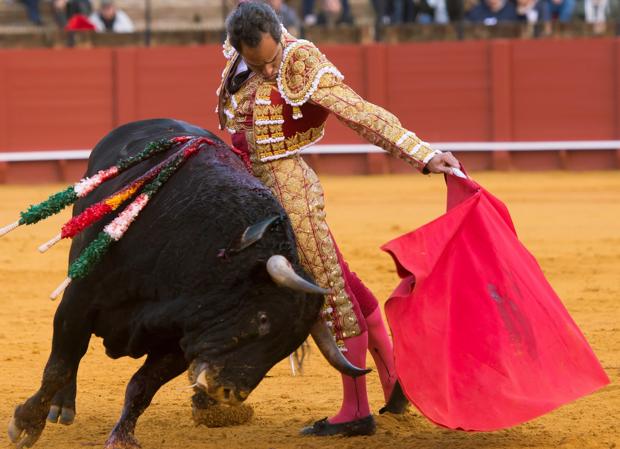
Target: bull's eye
(263, 323)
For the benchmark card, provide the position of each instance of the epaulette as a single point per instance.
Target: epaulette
(301, 69)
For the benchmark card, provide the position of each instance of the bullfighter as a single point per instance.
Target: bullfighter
(274, 99)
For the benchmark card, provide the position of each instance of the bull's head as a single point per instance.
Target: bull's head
(277, 312)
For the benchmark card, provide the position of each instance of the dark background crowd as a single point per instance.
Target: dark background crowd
(297, 15)
(488, 12)
(80, 14)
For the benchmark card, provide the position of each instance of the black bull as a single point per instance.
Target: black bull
(167, 290)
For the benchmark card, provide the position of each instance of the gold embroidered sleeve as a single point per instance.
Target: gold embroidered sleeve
(372, 122)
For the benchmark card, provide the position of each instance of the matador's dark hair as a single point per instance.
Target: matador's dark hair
(249, 21)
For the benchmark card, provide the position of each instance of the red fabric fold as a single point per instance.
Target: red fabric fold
(481, 340)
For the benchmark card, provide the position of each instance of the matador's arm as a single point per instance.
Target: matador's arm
(307, 75)
(371, 122)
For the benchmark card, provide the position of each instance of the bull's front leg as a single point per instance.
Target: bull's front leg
(157, 370)
(69, 344)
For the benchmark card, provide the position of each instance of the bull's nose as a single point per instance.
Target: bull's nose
(230, 396)
(243, 394)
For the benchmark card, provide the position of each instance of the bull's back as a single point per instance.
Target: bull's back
(131, 138)
(175, 241)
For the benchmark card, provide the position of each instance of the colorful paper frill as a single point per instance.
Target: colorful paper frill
(116, 229)
(58, 201)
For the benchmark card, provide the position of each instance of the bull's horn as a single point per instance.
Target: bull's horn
(324, 340)
(202, 379)
(283, 274)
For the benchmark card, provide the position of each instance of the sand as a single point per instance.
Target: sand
(570, 221)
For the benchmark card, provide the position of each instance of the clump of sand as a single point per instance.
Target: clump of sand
(220, 415)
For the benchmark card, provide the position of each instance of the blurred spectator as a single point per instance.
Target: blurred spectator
(332, 11)
(428, 11)
(420, 11)
(491, 12)
(387, 11)
(440, 9)
(64, 10)
(536, 14)
(596, 12)
(32, 9)
(533, 11)
(562, 9)
(458, 9)
(287, 16)
(108, 18)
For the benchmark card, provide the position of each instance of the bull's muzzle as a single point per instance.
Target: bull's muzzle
(222, 394)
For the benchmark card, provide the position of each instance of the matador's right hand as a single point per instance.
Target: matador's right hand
(442, 163)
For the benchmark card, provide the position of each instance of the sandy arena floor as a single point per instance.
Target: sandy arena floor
(570, 221)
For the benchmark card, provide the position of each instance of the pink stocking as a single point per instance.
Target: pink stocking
(355, 400)
(380, 347)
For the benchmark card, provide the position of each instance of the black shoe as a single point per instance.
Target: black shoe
(397, 403)
(322, 428)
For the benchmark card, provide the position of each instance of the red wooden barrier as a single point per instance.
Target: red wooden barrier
(54, 99)
(444, 91)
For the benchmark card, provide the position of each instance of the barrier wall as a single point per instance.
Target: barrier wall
(444, 91)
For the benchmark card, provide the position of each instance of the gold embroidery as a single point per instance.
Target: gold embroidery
(372, 122)
(298, 189)
(301, 70)
(239, 117)
(263, 93)
(301, 140)
(268, 112)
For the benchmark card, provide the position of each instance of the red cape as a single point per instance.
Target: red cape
(481, 340)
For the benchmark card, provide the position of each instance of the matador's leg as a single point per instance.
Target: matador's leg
(298, 189)
(379, 342)
(300, 193)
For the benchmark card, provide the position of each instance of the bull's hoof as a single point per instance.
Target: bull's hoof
(24, 433)
(15, 432)
(359, 427)
(116, 441)
(222, 415)
(62, 415)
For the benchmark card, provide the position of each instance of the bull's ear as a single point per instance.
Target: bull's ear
(254, 233)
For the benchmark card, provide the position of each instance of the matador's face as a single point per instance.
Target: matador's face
(265, 58)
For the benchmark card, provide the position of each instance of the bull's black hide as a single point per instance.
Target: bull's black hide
(167, 290)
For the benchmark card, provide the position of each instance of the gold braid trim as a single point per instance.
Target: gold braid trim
(372, 122)
(301, 70)
(299, 191)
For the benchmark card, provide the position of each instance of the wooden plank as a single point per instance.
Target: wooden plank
(57, 99)
(125, 89)
(564, 89)
(440, 90)
(501, 99)
(4, 107)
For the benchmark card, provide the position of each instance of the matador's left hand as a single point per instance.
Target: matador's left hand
(443, 163)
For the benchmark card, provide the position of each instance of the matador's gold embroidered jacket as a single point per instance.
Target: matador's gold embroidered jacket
(273, 120)
(289, 114)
